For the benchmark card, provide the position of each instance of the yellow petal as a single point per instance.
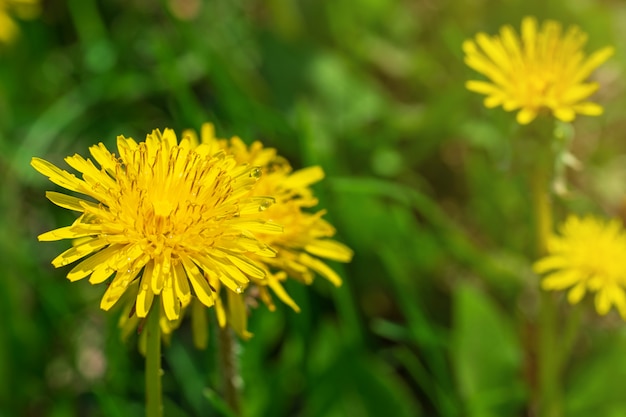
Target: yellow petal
(237, 315)
(100, 274)
(220, 313)
(595, 60)
(588, 109)
(199, 325)
(330, 249)
(198, 282)
(157, 279)
(494, 51)
(280, 292)
(67, 232)
(69, 202)
(101, 258)
(231, 276)
(90, 173)
(579, 92)
(565, 114)
(256, 226)
(246, 265)
(57, 175)
(145, 296)
(603, 301)
(321, 268)
(526, 116)
(102, 155)
(303, 178)
(577, 293)
(529, 35)
(482, 87)
(561, 279)
(76, 252)
(171, 304)
(126, 147)
(549, 263)
(117, 287)
(181, 284)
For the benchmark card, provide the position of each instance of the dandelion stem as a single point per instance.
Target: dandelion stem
(549, 391)
(154, 406)
(229, 369)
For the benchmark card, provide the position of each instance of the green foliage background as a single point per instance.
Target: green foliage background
(435, 317)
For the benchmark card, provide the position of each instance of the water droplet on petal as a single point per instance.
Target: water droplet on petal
(265, 205)
(255, 173)
(239, 290)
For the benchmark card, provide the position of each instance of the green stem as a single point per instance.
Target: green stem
(154, 407)
(228, 365)
(550, 396)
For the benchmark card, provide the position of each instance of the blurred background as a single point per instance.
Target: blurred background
(435, 317)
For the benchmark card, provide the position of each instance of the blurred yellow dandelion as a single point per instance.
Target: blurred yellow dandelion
(589, 255)
(306, 237)
(164, 219)
(544, 69)
(9, 8)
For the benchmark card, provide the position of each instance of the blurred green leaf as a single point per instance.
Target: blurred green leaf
(486, 355)
(592, 386)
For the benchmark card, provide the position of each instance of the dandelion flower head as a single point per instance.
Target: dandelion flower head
(306, 240)
(162, 218)
(544, 68)
(588, 255)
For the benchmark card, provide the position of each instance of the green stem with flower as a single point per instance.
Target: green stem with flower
(549, 366)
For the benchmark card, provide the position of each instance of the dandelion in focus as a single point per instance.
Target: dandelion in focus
(587, 256)
(544, 68)
(163, 219)
(25, 9)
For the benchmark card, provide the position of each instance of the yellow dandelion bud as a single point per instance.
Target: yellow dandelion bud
(587, 256)
(164, 219)
(544, 68)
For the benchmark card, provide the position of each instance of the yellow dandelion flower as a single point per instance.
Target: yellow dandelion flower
(588, 255)
(306, 237)
(8, 8)
(543, 69)
(164, 219)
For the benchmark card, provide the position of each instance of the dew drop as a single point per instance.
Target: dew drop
(239, 290)
(265, 205)
(255, 173)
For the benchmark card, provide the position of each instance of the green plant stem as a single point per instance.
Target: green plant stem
(550, 396)
(154, 407)
(229, 369)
